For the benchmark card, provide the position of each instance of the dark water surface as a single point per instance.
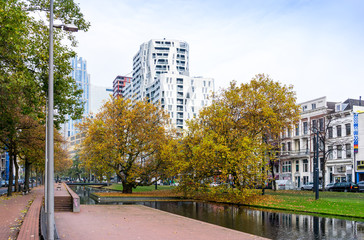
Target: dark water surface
(273, 225)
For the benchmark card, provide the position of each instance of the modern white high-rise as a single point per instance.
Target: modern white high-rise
(161, 75)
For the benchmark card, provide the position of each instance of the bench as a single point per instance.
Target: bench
(29, 230)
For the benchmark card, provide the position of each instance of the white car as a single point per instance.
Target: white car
(214, 184)
(328, 186)
(309, 186)
(284, 185)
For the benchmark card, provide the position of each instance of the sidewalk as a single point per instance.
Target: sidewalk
(137, 222)
(12, 211)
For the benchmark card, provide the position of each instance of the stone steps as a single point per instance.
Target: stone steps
(63, 204)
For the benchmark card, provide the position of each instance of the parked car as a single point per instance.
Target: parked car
(328, 186)
(361, 186)
(2, 183)
(284, 184)
(309, 186)
(214, 184)
(345, 187)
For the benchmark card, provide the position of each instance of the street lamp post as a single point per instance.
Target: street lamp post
(50, 137)
(50, 151)
(315, 164)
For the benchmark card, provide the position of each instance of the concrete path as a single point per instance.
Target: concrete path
(131, 222)
(12, 211)
(60, 190)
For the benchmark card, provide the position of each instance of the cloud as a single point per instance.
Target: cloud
(316, 46)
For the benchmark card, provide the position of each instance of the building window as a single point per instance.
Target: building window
(330, 149)
(348, 129)
(297, 166)
(338, 131)
(339, 151)
(297, 128)
(314, 124)
(313, 105)
(348, 150)
(321, 124)
(289, 148)
(305, 179)
(305, 165)
(329, 130)
(305, 129)
(287, 165)
(283, 147)
(288, 132)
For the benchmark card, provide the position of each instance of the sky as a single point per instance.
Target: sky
(316, 46)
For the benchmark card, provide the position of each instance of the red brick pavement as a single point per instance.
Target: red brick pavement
(130, 222)
(30, 227)
(12, 211)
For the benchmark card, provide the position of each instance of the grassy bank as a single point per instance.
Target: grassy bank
(119, 187)
(162, 191)
(332, 203)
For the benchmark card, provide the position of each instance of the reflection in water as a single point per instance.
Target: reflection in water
(267, 224)
(271, 225)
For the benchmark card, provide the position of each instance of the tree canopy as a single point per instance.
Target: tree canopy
(24, 59)
(125, 137)
(229, 139)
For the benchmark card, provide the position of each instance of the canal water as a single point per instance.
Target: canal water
(265, 223)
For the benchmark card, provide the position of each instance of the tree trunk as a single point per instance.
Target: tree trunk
(323, 170)
(10, 186)
(127, 187)
(271, 165)
(41, 178)
(17, 188)
(27, 173)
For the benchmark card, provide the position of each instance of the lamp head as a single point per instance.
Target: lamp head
(70, 27)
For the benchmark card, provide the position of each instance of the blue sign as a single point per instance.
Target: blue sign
(356, 133)
(7, 166)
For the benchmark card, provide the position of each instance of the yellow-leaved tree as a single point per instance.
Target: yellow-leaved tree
(234, 137)
(125, 137)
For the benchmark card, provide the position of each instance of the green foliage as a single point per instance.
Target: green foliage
(24, 62)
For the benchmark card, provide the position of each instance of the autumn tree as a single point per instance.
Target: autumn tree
(126, 137)
(230, 137)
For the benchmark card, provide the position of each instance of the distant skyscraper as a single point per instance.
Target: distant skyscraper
(119, 84)
(161, 75)
(79, 73)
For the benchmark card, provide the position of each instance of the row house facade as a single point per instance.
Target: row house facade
(335, 123)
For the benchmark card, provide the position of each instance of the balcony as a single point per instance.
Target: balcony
(296, 153)
(340, 170)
